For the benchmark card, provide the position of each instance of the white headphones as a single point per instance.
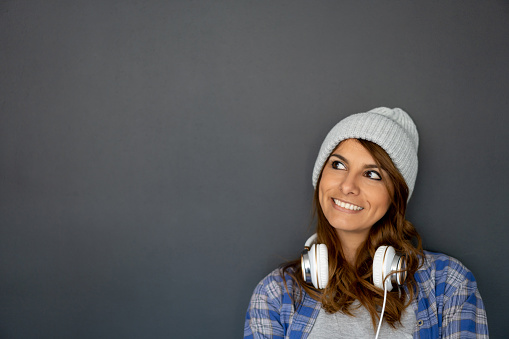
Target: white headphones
(315, 265)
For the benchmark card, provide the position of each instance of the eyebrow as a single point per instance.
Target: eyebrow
(345, 160)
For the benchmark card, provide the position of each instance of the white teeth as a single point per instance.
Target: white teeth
(348, 206)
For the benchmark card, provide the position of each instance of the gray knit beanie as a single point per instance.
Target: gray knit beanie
(391, 129)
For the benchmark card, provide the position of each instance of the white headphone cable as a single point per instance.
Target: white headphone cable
(383, 309)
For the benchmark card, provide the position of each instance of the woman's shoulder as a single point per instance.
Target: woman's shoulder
(443, 271)
(442, 262)
(279, 306)
(278, 282)
(278, 292)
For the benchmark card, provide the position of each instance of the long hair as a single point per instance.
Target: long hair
(350, 282)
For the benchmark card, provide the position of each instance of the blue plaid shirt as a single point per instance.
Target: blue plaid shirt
(448, 304)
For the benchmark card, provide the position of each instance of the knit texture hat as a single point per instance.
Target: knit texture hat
(391, 129)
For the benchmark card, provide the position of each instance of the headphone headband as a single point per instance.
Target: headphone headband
(311, 240)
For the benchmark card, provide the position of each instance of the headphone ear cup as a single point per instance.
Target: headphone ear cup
(401, 265)
(313, 265)
(382, 262)
(323, 265)
(319, 265)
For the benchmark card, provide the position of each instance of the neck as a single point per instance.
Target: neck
(350, 243)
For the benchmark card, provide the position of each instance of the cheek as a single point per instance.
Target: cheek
(386, 207)
(320, 196)
(383, 202)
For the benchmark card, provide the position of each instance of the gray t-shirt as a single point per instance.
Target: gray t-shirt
(340, 325)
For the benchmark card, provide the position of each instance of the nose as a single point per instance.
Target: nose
(349, 184)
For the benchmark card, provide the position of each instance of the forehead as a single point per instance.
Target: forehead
(353, 150)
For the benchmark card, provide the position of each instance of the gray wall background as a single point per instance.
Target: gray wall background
(156, 156)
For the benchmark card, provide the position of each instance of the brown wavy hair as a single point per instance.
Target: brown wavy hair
(350, 282)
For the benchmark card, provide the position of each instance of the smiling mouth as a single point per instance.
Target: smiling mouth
(348, 206)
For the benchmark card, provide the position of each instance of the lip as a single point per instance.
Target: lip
(345, 210)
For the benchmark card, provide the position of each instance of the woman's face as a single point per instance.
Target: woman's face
(352, 190)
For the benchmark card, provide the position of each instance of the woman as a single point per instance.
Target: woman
(365, 266)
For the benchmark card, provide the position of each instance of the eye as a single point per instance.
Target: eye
(373, 175)
(338, 165)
